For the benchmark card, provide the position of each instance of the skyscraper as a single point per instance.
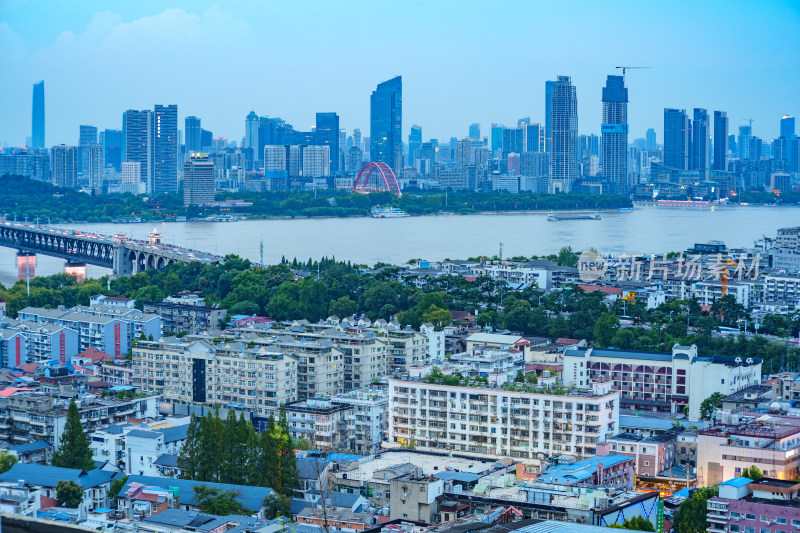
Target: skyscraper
(614, 131)
(787, 127)
(194, 135)
(327, 134)
(386, 122)
(563, 136)
(37, 116)
(357, 139)
(676, 139)
(64, 162)
(165, 149)
(87, 136)
(743, 142)
(112, 142)
(137, 133)
(513, 140)
(251, 133)
(414, 143)
(198, 180)
(533, 137)
(93, 164)
(548, 94)
(475, 131)
(699, 137)
(650, 142)
(497, 137)
(720, 140)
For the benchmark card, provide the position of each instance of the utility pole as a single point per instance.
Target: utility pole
(261, 248)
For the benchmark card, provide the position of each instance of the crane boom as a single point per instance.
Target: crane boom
(628, 68)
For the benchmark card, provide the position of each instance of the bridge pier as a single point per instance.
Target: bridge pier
(77, 269)
(26, 265)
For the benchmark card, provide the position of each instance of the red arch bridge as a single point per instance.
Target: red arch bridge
(362, 180)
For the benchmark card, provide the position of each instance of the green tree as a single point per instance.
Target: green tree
(113, 490)
(69, 494)
(709, 404)
(272, 506)
(753, 472)
(437, 316)
(7, 460)
(303, 444)
(605, 329)
(342, 307)
(189, 456)
(567, 257)
(217, 501)
(520, 377)
(691, 516)
(637, 522)
(73, 450)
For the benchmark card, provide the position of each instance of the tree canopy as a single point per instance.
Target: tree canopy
(73, 449)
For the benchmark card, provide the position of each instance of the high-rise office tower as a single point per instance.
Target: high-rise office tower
(87, 136)
(563, 136)
(198, 180)
(497, 137)
(787, 127)
(743, 142)
(64, 162)
(650, 142)
(112, 142)
(513, 140)
(720, 140)
(165, 149)
(414, 143)
(206, 139)
(533, 137)
(475, 131)
(676, 139)
(357, 142)
(37, 116)
(194, 135)
(316, 161)
(93, 165)
(386, 122)
(548, 94)
(251, 133)
(327, 134)
(614, 131)
(732, 144)
(699, 139)
(137, 133)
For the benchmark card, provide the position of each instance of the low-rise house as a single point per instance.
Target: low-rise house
(653, 455)
(615, 471)
(95, 483)
(744, 505)
(33, 452)
(143, 447)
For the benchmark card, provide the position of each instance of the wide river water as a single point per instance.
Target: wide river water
(367, 240)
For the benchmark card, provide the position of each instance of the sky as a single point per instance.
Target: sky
(461, 61)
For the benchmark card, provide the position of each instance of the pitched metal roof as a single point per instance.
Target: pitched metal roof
(250, 497)
(49, 476)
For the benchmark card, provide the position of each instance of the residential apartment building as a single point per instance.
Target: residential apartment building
(328, 425)
(28, 417)
(652, 454)
(369, 418)
(514, 423)
(745, 439)
(708, 292)
(179, 318)
(143, 447)
(190, 371)
(405, 348)
(746, 506)
(782, 288)
(661, 382)
(320, 369)
(46, 342)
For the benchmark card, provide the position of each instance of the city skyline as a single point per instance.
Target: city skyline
(443, 98)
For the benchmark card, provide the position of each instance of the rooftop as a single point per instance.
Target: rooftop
(580, 470)
(429, 463)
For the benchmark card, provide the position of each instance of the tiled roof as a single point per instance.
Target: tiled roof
(250, 497)
(49, 476)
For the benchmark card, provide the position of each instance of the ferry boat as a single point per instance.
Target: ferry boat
(387, 212)
(220, 218)
(555, 217)
(126, 220)
(683, 203)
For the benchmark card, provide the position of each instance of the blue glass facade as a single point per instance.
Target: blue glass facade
(386, 122)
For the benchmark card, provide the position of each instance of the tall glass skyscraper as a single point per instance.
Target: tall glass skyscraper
(327, 134)
(548, 94)
(676, 139)
(475, 131)
(650, 142)
(112, 142)
(743, 142)
(414, 143)
(37, 117)
(699, 129)
(194, 135)
(787, 127)
(720, 140)
(386, 123)
(165, 149)
(563, 136)
(137, 134)
(614, 130)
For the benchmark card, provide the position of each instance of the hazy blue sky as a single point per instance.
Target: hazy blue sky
(461, 61)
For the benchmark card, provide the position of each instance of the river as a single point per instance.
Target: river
(367, 240)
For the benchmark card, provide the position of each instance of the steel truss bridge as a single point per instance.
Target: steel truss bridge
(120, 254)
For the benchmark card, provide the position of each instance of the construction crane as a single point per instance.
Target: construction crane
(750, 120)
(725, 275)
(628, 68)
